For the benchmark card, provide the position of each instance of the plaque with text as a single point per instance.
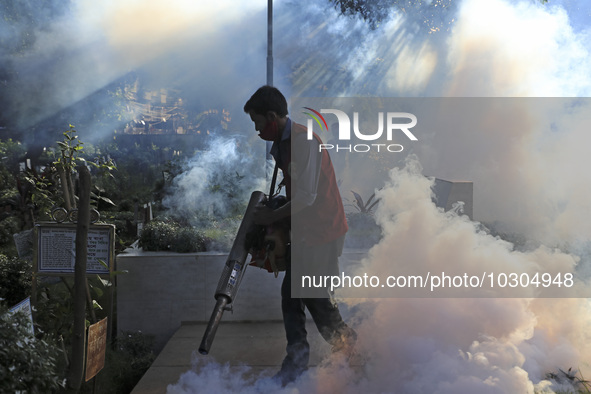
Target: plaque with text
(56, 248)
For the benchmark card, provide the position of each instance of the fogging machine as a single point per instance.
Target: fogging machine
(234, 269)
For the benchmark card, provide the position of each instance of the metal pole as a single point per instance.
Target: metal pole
(269, 65)
(270, 42)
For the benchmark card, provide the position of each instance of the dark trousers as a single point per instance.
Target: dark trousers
(326, 316)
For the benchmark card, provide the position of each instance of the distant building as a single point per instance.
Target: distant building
(449, 193)
(164, 111)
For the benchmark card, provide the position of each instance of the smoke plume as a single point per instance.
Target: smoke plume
(215, 183)
(530, 179)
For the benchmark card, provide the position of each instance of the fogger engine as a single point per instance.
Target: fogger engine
(269, 245)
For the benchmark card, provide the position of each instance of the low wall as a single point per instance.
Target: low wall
(163, 289)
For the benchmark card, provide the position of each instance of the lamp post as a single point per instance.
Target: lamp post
(269, 62)
(270, 42)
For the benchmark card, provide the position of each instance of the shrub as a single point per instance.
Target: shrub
(15, 279)
(27, 364)
(187, 240)
(9, 226)
(167, 235)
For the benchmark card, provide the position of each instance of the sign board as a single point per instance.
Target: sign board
(24, 244)
(56, 248)
(25, 307)
(96, 348)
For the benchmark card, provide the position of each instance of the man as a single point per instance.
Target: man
(315, 209)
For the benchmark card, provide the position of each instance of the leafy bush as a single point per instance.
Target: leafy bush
(15, 279)
(167, 235)
(27, 364)
(138, 347)
(9, 226)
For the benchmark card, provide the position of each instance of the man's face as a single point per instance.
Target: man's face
(266, 125)
(259, 121)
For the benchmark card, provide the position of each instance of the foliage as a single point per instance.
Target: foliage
(364, 232)
(125, 229)
(220, 233)
(55, 305)
(125, 364)
(55, 309)
(54, 187)
(138, 347)
(70, 149)
(139, 171)
(364, 207)
(132, 357)
(15, 279)
(11, 152)
(9, 226)
(571, 377)
(27, 364)
(39, 192)
(170, 236)
(431, 14)
(230, 188)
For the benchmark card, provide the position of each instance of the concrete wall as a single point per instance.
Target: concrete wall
(163, 289)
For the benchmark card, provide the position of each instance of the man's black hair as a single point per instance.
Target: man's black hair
(267, 98)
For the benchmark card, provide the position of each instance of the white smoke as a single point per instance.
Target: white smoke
(216, 182)
(494, 48)
(460, 345)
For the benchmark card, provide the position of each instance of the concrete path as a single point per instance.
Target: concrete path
(259, 345)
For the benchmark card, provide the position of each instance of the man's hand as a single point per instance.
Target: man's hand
(263, 215)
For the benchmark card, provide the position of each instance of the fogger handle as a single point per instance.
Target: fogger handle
(213, 324)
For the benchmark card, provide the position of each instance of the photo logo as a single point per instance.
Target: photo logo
(315, 116)
(394, 122)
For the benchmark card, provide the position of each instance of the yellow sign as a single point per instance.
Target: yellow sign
(97, 346)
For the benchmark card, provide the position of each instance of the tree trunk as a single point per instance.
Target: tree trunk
(76, 371)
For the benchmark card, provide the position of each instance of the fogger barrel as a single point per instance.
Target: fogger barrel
(232, 273)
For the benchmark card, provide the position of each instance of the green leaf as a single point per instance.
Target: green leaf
(107, 200)
(99, 292)
(103, 263)
(104, 282)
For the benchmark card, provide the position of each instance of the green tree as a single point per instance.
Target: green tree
(431, 14)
